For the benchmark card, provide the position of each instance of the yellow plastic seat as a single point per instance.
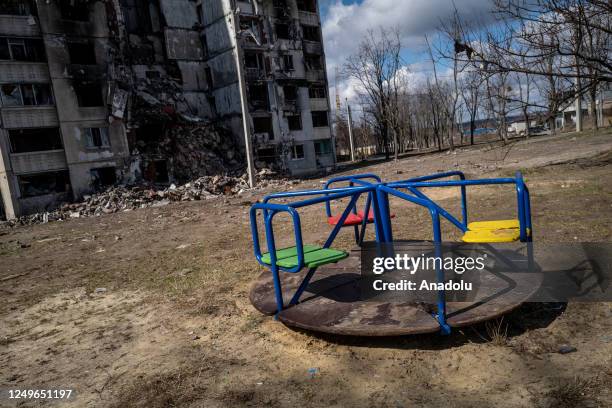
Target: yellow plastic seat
(493, 225)
(480, 232)
(491, 236)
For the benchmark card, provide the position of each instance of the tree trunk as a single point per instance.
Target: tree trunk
(472, 126)
(526, 118)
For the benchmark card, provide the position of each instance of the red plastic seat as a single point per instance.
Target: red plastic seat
(353, 219)
(370, 215)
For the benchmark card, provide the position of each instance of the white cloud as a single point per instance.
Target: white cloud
(345, 24)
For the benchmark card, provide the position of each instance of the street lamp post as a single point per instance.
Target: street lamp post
(243, 99)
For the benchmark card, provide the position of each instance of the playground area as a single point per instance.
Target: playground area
(151, 308)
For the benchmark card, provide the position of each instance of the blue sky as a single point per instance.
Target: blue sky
(345, 22)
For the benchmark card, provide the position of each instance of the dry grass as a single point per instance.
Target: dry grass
(572, 393)
(497, 332)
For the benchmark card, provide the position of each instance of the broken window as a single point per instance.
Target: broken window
(267, 155)
(311, 33)
(82, 53)
(297, 152)
(33, 185)
(18, 7)
(322, 147)
(294, 122)
(319, 119)
(5, 52)
(89, 94)
(200, 14)
(26, 94)
(288, 62)
(254, 64)
(204, 44)
(281, 9)
(103, 177)
(252, 26)
(263, 124)
(137, 16)
(307, 5)
(317, 92)
(96, 137)
(291, 93)
(209, 77)
(11, 95)
(22, 49)
(282, 31)
(35, 140)
(258, 95)
(43, 94)
(313, 62)
(212, 102)
(251, 60)
(77, 10)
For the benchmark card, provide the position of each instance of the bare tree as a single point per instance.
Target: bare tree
(524, 83)
(471, 89)
(375, 67)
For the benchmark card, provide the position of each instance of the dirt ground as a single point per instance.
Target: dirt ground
(150, 308)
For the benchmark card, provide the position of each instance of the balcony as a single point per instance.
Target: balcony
(86, 72)
(37, 162)
(308, 18)
(315, 75)
(321, 133)
(29, 117)
(312, 47)
(16, 72)
(319, 104)
(290, 106)
(19, 26)
(253, 74)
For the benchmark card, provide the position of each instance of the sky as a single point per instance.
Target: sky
(344, 22)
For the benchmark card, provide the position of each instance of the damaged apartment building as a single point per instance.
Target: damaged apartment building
(99, 92)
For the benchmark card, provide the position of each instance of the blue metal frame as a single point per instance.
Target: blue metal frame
(377, 197)
(355, 179)
(269, 210)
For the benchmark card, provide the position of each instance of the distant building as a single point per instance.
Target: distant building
(89, 89)
(519, 127)
(566, 117)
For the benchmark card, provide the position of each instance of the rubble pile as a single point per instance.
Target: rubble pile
(200, 150)
(192, 146)
(127, 198)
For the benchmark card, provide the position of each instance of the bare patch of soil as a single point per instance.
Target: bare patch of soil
(149, 308)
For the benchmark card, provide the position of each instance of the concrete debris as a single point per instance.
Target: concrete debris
(127, 198)
(565, 349)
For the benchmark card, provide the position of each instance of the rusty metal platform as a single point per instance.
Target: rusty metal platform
(331, 303)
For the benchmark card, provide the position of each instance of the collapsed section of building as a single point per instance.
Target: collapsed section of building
(101, 92)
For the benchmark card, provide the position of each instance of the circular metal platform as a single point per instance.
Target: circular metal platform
(331, 303)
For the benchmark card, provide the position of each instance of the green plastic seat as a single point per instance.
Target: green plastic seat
(313, 256)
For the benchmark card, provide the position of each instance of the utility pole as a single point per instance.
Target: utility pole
(243, 97)
(350, 130)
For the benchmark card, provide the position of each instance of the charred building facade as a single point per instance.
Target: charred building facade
(96, 92)
(286, 80)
